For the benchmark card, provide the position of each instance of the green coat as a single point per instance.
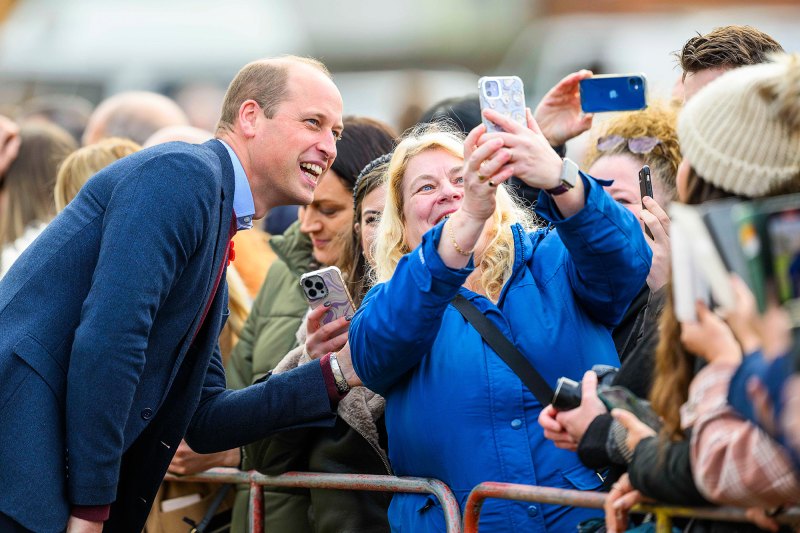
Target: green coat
(269, 332)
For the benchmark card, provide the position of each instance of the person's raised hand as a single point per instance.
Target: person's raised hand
(657, 220)
(187, 461)
(637, 430)
(559, 112)
(325, 338)
(710, 337)
(575, 421)
(485, 167)
(534, 160)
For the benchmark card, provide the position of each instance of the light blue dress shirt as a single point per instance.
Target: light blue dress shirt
(243, 204)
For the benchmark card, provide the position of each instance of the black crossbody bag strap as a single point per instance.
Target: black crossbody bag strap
(507, 351)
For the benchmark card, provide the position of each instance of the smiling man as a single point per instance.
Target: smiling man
(110, 320)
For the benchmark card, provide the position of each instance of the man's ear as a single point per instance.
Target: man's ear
(249, 113)
(357, 228)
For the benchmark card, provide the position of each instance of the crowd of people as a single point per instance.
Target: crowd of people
(475, 259)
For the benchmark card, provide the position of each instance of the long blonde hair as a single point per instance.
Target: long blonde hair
(497, 260)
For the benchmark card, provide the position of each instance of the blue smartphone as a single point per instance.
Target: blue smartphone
(613, 92)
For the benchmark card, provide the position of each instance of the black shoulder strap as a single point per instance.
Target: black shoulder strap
(506, 350)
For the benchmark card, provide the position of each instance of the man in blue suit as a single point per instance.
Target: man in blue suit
(109, 321)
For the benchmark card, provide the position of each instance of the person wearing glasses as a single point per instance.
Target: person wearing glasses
(618, 149)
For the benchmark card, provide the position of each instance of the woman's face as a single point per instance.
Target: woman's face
(371, 211)
(328, 217)
(433, 187)
(624, 170)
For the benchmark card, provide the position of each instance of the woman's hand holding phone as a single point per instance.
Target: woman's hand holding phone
(657, 220)
(322, 339)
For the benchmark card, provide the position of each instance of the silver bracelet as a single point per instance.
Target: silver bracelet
(338, 376)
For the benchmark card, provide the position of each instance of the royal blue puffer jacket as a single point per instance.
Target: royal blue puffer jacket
(454, 410)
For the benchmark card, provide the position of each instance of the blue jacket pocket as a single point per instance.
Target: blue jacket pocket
(582, 478)
(38, 358)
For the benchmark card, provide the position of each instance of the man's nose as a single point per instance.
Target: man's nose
(327, 145)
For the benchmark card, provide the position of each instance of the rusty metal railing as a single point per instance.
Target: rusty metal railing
(595, 500)
(309, 480)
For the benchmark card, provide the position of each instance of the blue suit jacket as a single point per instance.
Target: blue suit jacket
(102, 366)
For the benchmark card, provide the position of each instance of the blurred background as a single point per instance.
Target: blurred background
(391, 60)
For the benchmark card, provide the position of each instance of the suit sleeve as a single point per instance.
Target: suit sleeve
(153, 223)
(228, 419)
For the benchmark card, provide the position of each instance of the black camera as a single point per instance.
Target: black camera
(568, 391)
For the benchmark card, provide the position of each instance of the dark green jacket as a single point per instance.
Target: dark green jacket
(269, 332)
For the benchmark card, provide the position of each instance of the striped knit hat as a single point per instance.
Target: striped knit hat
(742, 131)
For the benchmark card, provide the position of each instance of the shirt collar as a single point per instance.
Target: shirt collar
(243, 204)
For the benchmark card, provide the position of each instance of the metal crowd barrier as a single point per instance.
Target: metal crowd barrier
(595, 500)
(452, 514)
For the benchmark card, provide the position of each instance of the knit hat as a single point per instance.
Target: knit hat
(742, 131)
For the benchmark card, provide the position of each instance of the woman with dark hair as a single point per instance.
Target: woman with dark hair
(316, 240)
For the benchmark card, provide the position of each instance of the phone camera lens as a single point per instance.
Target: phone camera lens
(312, 293)
(492, 89)
(308, 283)
(319, 286)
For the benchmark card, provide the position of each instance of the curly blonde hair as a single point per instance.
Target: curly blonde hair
(498, 258)
(659, 120)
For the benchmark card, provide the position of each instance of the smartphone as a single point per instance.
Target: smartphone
(645, 189)
(613, 92)
(504, 94)
(327, 286)
(621, 398)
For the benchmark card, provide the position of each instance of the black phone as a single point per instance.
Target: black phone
(616, 397)
(645, 189)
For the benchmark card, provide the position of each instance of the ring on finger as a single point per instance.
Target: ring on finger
(481, 177)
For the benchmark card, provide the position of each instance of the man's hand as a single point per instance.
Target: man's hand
(79, 525)
(559, 113)
(187, 461)
(657, 220)
(637, 430)
(575, 421)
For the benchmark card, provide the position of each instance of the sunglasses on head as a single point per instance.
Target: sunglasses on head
(637, 145)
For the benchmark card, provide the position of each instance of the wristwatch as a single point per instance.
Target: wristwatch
(338, 376)
(569, 177)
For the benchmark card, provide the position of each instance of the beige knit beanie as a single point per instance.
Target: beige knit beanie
(742, 131)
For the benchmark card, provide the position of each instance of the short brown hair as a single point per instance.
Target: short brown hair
(726, 47)
(266, 82)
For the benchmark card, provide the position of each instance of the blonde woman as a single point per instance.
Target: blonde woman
(454, 410)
